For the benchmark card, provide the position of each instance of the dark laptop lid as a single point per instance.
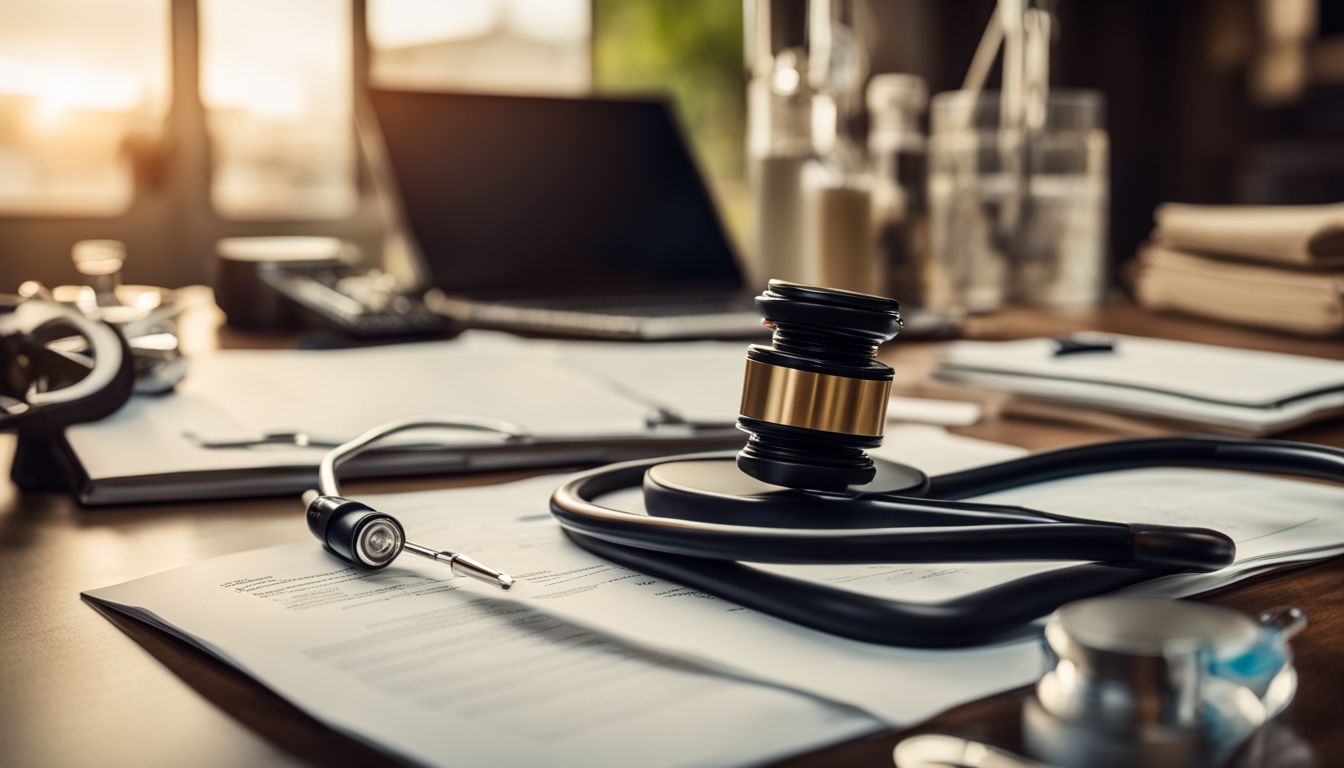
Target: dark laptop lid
(535, 196)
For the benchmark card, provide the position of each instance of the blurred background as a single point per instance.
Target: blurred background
(169, 124)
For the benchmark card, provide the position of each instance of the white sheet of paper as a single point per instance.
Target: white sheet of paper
(345, 392)
(443, 672)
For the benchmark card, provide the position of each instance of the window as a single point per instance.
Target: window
(506, 46)
(276, 83)
(81, 81)
(692, 50)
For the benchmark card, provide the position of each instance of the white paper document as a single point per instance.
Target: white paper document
(394, 656)
(443, 673)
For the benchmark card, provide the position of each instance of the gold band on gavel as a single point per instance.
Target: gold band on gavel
(819, 401)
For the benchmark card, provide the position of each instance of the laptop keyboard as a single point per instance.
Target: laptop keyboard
(660, 317)
(653, 306)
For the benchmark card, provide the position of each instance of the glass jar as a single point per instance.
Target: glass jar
(1017, 214)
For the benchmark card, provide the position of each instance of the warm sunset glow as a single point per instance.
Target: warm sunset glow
(75, 77)
(54, 92)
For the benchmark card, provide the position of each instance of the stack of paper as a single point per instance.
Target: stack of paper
(1276, 267)
(1199, 386)
(1306, 302)
(585, 662)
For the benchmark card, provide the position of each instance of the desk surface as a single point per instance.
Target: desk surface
(82, 689)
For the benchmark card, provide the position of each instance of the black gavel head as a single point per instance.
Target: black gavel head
(816, 397)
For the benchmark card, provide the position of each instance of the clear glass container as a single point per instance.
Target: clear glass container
(1017, 214)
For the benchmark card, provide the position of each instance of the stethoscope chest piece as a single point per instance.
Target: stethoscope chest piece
(714, 489)
(1150, 682)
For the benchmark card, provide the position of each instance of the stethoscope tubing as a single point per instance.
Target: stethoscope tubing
(704, 555)
(981, 543)
(1052, 538)
(1318, 462)
(972, 619)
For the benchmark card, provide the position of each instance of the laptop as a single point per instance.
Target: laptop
(576, 217)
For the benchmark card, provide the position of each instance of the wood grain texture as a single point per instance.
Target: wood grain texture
(82, 689)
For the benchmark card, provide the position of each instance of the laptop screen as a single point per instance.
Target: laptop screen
(532, 196)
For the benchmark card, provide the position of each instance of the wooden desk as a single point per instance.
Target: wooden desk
(81, 689)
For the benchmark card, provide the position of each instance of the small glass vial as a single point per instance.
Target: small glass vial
(779, 146)
(837, 185)
(100, 262)
(897, 154)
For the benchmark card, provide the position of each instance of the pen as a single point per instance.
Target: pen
(1073, 345)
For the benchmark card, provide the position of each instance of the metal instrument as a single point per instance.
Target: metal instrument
(1141, 682)
(58, 367)
(1158, 682)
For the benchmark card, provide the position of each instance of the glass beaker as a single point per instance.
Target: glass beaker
(1017, 213)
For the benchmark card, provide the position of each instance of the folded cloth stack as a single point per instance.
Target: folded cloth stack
(1279, 267)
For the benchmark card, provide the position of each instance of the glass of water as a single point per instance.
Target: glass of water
(1017, 214)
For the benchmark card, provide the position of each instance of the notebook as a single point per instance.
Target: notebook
(1199, 386)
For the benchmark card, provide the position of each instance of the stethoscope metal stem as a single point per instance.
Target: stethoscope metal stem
(462, 565)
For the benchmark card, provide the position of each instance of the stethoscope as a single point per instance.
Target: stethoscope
(707, 521)
(58, 367)
(803, 490)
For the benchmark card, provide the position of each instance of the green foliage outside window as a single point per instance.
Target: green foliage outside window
(692, 50)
